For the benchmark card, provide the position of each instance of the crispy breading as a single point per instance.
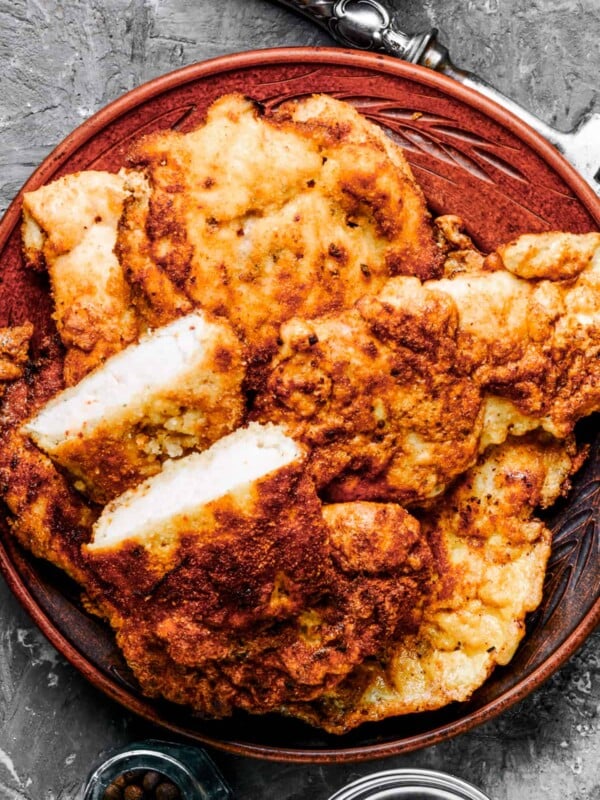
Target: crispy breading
(461, 255)
(70, 228)
(277, 600)
(252, 596)
(260, 216)
(378, 396)
(46, 514)
(48, 517)
(265, 610)
(555, 255)
(494, 556)
(398, 396)
(543, 370)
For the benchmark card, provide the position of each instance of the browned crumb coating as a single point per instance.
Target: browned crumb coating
(275, 603)
(398, 396)
(262, 215)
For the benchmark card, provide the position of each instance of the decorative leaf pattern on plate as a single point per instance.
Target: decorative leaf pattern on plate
(446, 149)
(443, 138)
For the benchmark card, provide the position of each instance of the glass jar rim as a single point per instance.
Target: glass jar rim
(167, 758)
(395, 784)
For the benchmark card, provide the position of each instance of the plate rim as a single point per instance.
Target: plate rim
(236, 62)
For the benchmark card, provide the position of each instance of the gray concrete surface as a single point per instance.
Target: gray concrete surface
(60, 62)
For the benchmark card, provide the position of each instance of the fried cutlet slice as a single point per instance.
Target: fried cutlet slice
(262, 215)
(70, 229)
(177, 501)
(46, 515)
(493, 555)
(398, 396)
(178, 389)
(233, 590)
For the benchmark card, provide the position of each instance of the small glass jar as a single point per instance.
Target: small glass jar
(189, 768)
(409, 784)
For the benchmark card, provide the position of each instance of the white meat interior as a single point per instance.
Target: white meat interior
(125, 384)
(184, 486)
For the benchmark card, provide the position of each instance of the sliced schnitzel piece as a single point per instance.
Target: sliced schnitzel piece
(154, 514)
(70, 229)
(178, 389)
(52, 522)
(492, 571)
(397, 397)
(262, 215)
(45, 514)
(240, 596)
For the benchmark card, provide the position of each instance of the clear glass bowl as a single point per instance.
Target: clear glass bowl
(189, 768)
(409, 784)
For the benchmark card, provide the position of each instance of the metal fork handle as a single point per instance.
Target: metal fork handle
(369, 25)
(364, 24)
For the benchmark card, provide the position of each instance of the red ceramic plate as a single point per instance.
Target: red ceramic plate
(471, 158)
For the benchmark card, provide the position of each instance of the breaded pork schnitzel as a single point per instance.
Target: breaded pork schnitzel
(245, 595)
(227, 585)
(248, 612)
(494, 553)
(176, 390)
(260, 216)
(398, 396)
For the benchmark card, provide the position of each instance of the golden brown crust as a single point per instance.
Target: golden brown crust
(258, 608)
(378, 397)
(48, 516)
(202, 405)
(491, 555)
(260, 216)
(397, 397)
(69, 228)
(553, 255)
(269, 602)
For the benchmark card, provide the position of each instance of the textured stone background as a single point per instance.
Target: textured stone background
(61, 61)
